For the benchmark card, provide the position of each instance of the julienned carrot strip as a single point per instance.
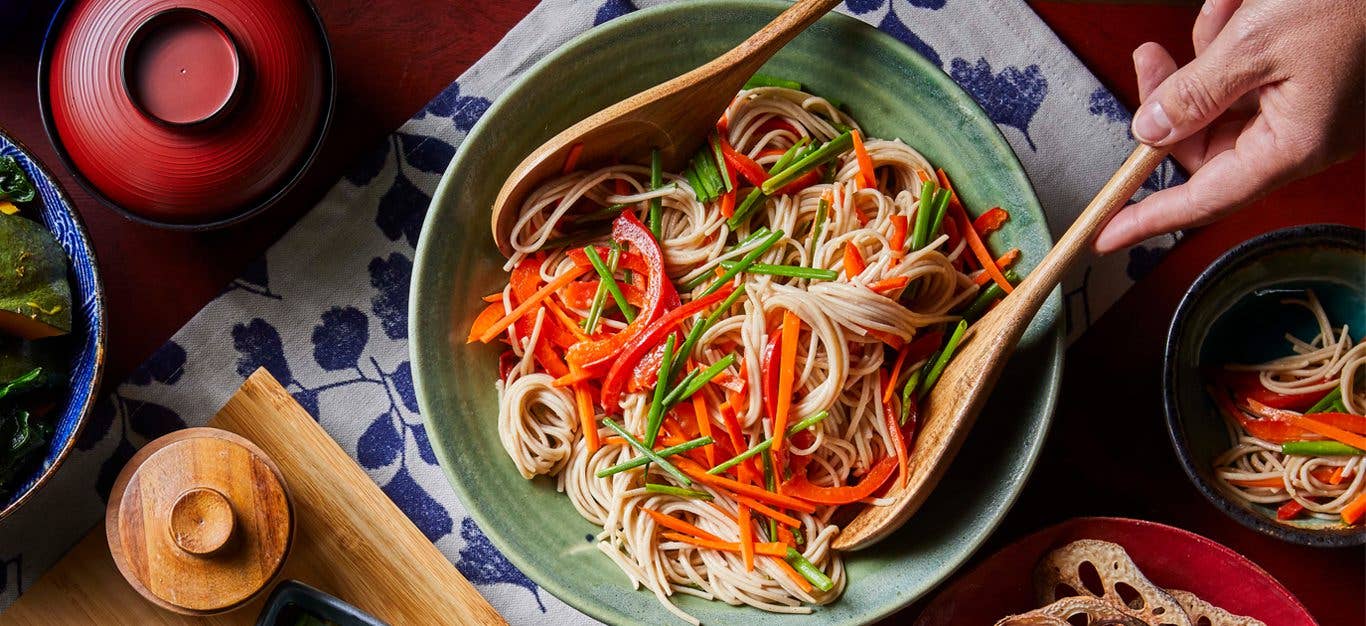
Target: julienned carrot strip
(767, 549)
(728, 204)
(898, 441)
(1317, 427)
(1336, 478)
(888, 285)
(974, 242)
(574, 377)
(703, 418)
(865, 163)
(746, 538)
(898, 241)
(613, 441)
(990, 222)
(532, 302)
(587, 419)
(775, 514)
(787, 365)
(669, 521)
(486, 319)
(896, 373)
(493, 297)
(853, 260)
(1355, 510)
(736, 436)
(564, 318)
(696, 472)
(922, 175)
(795, 575)
(571, 161)
(1006, 261)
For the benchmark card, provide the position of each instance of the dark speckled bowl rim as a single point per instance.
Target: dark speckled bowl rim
(101, 338)
(281, 188)
(1249, 251)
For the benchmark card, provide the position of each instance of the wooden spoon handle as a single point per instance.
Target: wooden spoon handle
(1031, 293)
(746, 58)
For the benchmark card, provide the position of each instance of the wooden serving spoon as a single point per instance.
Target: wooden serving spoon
(674, 117)
(962, 390)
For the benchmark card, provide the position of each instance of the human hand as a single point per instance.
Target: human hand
(1274, 94)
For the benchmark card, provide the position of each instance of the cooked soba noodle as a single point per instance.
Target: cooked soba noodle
(1329, 361)
(839, 363)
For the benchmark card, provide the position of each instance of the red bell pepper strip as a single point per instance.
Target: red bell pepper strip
(1289, 510)
(579, 294)
(659, 296)
(990, 222)
(776, 123)
(802, 182)
(1249, 385)
(624, 360)
(798, 486)
(745, 166)
(1268, 429)
(506, 361)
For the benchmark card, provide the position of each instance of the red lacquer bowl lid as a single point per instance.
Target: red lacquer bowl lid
(187, 113)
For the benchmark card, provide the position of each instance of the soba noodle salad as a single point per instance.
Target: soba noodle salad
(1297, 425)
(720, 366)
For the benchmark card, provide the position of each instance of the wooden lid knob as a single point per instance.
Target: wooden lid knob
(199, 521)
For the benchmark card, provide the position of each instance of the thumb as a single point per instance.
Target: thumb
(1196, 94)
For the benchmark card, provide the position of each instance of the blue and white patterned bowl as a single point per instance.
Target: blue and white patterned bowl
(88, 324)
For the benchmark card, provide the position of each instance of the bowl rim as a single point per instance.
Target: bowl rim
(279, 191)
(1248, 251)
(1053, 340)
(1087, 525)
(101, 332)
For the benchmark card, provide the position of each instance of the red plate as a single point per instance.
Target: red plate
(187, 113)
(1170, 557)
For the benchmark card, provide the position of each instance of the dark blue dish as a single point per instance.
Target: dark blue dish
(1233, 313)
(87, 337)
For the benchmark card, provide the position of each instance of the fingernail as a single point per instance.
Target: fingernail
(1152, 125)
(1208, 7)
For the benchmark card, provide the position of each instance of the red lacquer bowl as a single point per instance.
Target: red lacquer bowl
(1170, 557)
(186, 114)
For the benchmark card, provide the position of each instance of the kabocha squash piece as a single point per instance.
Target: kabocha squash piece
(35, 298)
(1202, 612)
(1103, 570)
(1075, 610)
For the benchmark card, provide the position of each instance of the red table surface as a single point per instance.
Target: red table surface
(1108, 453)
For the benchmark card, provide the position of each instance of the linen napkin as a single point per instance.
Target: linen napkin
(325, 310)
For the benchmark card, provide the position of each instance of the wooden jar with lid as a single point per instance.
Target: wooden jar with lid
(199, 521)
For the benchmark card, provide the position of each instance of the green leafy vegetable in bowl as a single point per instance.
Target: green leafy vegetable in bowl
(35, 314)
(14, 185)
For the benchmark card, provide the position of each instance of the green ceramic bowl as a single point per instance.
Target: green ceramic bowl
(893, 92)
(1233, 314)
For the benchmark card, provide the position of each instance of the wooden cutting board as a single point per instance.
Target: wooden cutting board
(350, 540)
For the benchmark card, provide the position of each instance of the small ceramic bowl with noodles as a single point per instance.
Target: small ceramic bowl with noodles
(1265, 384)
